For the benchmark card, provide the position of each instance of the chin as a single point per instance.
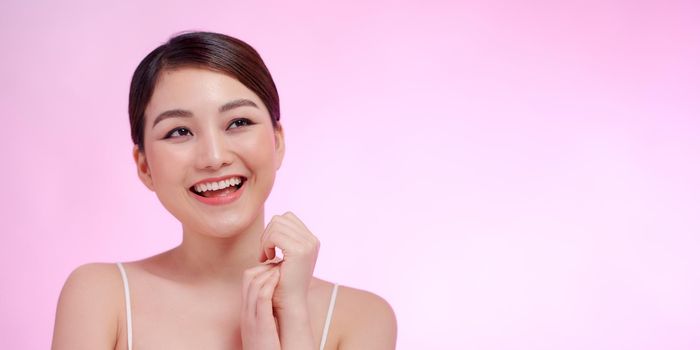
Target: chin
(223, 230)
(226, 227)
(218, 221)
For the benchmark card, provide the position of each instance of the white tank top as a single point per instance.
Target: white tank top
(127, 301)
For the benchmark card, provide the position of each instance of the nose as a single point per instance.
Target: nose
(213, 152)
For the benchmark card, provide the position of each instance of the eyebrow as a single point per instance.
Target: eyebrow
(181, 113)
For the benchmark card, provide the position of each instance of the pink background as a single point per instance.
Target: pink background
(507, 174)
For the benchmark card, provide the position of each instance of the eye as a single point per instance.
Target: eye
(178, 132)
(240, 123)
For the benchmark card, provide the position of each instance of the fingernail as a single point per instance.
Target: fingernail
(274, 260)
(279, 253)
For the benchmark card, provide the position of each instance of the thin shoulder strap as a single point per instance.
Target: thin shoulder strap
(329, 315)
(127, 301)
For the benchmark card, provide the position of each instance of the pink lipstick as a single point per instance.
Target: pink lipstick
(220, 190)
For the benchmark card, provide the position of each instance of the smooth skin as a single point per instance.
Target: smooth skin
(218, 288)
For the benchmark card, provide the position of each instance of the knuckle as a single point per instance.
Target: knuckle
(256, 283)
(251, 273)
(248, 275)
(265, 295)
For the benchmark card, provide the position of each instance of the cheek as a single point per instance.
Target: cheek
(166, 165)
(257, 151)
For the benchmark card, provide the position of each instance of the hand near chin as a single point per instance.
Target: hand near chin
(300, 248)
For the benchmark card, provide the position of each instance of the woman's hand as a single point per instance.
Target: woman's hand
(258, 324)
(290, 299)
(300, 248)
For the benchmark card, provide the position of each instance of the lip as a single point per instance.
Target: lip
(220, 200)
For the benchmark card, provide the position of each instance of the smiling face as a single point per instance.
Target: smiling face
(211, 151)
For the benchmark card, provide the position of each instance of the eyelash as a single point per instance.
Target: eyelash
(236, 122)
(245, 120)
(171, 132)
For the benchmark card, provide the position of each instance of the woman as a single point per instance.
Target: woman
(204, 115)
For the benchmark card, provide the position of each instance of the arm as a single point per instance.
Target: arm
(86, 316)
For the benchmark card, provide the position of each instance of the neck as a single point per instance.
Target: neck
(204, 257)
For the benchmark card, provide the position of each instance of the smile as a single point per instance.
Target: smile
(218, 190)
(210, 187)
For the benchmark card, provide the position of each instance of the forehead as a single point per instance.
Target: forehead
(197, 90)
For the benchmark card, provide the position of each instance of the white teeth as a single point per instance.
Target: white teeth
(213, 186)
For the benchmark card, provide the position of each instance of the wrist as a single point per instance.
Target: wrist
(295, 332)
(292, 310)
(295, 325)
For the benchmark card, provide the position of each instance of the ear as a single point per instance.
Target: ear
(142, 168)
(279, 145)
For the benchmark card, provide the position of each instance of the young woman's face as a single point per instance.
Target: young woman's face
(205, 130)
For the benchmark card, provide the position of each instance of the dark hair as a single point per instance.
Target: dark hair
(214, 51)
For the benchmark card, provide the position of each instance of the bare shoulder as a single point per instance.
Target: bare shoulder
(94, 273)
(366, 320)
(87, 312)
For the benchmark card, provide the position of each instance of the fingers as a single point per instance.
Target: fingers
(258, 323)
(291, 222)
(252, 291)
(257, 294)
(267, 253)
(289, 234)
(295, 219)
(250, 274)
(264, 300)
(290, 244)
